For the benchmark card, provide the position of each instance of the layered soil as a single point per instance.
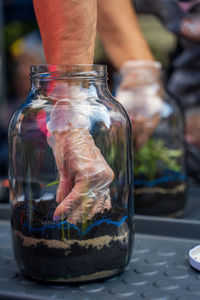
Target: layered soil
(62, 251)
(164, 199)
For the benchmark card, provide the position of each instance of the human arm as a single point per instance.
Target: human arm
(68, 29)
(120, 33)
(129, 52)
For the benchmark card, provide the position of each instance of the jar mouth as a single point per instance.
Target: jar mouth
(49, 72)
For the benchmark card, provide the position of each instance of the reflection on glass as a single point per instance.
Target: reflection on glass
(71, 196)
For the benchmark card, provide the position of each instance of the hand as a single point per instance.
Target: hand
(85, 175)
(140, 93)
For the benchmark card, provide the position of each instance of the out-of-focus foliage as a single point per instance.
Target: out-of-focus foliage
(154, 156)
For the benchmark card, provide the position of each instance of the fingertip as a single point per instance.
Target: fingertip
(58, 199)
(56, 218)
(58, 214)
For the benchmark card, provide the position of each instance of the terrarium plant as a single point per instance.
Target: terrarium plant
(159, 185)
(155, 156)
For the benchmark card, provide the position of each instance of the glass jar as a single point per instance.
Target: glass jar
(72, 220)
(158, 140)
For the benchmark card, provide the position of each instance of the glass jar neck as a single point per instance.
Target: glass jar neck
(60, 80)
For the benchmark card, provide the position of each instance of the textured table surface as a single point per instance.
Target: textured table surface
(158, 270)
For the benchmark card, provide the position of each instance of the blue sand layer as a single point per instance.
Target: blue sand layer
(66, 225)
(168, 176)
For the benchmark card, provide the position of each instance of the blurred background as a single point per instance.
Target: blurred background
(20, 47)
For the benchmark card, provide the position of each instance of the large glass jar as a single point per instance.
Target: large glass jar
(72, 220)
(158, 140)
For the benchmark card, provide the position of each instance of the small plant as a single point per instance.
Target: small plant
(153, 156)
(52, 183)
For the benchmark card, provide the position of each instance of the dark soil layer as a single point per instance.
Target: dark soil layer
(45, 262)
(160, 204)
(48, 264)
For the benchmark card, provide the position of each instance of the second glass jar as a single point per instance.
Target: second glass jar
(158, 140)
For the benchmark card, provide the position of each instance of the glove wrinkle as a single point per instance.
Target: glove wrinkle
(85, 176)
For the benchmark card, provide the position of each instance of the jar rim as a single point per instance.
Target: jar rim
(51, 71)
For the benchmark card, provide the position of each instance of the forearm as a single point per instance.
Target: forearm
(68, 29)
(120, 32)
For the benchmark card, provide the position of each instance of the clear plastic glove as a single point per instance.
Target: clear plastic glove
(85, 175)
(140, 92)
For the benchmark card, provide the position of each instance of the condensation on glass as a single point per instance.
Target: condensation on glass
(71, 177)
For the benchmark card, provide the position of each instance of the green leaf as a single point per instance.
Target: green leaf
(153, 156)
(52, 183)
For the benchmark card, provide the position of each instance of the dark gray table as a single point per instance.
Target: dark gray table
(158, 270)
